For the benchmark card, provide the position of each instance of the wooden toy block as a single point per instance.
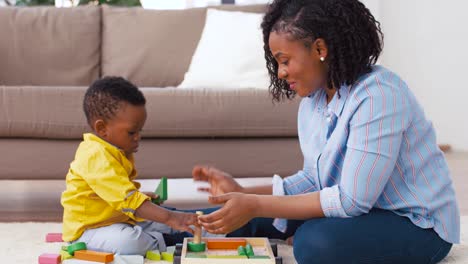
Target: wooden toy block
(65, 255)
(153, 255)
(94, 256)
(225, 243)
(241, 251)
(54, 237)
(49, 259)
(167, 256)
(75, 247)
(161, 191)
(249, 250)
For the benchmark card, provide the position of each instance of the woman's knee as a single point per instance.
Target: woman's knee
(314, 245)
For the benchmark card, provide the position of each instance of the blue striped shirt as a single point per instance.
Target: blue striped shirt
(372, 147)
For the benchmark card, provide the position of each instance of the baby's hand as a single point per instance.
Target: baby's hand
(182, 221)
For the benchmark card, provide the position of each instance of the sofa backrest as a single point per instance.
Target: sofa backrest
(49, 46)
(153, 48)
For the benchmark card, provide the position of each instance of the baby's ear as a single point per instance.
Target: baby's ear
(100, 127)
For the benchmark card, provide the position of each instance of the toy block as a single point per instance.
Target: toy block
(153, 255)
(54, 237)
(128, 259)
(225, 243)
(65, 255)
(49, 259)
(161, 191)
(167, 256)
(94, 256)
(75, 247)
(249, 250)
(241, 251)
(226, 257)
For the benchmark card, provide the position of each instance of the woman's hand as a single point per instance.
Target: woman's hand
(182, 221)
(238, 209)
(220, 181)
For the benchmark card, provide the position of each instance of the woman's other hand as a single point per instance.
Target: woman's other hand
(220, 181)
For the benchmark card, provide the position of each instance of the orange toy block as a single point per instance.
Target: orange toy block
(94, 256)
(225, 243)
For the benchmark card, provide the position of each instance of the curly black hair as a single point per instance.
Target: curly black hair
(104, 97)
(351, 33)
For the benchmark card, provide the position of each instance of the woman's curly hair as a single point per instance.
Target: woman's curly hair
(351, 33)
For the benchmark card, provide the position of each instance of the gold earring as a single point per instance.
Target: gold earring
(322, 59)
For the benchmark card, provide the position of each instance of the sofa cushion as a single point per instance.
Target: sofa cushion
(158, 54)
(49, 46)
(56, 112)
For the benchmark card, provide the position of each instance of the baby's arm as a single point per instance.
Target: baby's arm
(177, 220)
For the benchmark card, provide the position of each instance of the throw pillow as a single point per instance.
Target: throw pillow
(229, 54)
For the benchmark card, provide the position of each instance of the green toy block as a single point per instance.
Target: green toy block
(241, 251)
(75, 247)
(167, 256)
(161, 191)
(249, 250)
(153, 255)
(196, 247)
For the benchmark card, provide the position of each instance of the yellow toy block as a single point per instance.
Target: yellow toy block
(167, 256)
(153, 255)
(65, 255)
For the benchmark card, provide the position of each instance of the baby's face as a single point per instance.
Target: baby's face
(124, 129)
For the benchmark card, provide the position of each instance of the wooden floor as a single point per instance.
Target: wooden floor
(40, 200)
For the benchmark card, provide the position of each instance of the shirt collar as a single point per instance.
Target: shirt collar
(93, 137)
(337, 103)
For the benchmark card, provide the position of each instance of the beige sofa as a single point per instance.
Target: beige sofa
(49, 56)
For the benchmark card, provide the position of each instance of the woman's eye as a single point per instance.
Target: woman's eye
(131, 133)
(285, 63)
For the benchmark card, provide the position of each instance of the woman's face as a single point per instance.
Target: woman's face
(298, 65)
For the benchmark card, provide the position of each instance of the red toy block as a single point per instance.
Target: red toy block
(54, 237)
(225, 243)
(94, 256)
(49, 259)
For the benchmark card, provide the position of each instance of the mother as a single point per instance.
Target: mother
(374, 187)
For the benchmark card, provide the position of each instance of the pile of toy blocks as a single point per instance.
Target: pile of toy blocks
(77, 253)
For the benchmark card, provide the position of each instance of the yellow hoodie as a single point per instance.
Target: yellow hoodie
(100, 188)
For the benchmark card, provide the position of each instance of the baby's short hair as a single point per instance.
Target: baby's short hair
(104, 97)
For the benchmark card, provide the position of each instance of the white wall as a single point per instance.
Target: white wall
(426, 42)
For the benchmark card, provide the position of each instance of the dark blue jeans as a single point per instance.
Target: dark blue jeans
(378, 237)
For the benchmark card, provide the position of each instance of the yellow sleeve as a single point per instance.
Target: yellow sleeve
(108, 178)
